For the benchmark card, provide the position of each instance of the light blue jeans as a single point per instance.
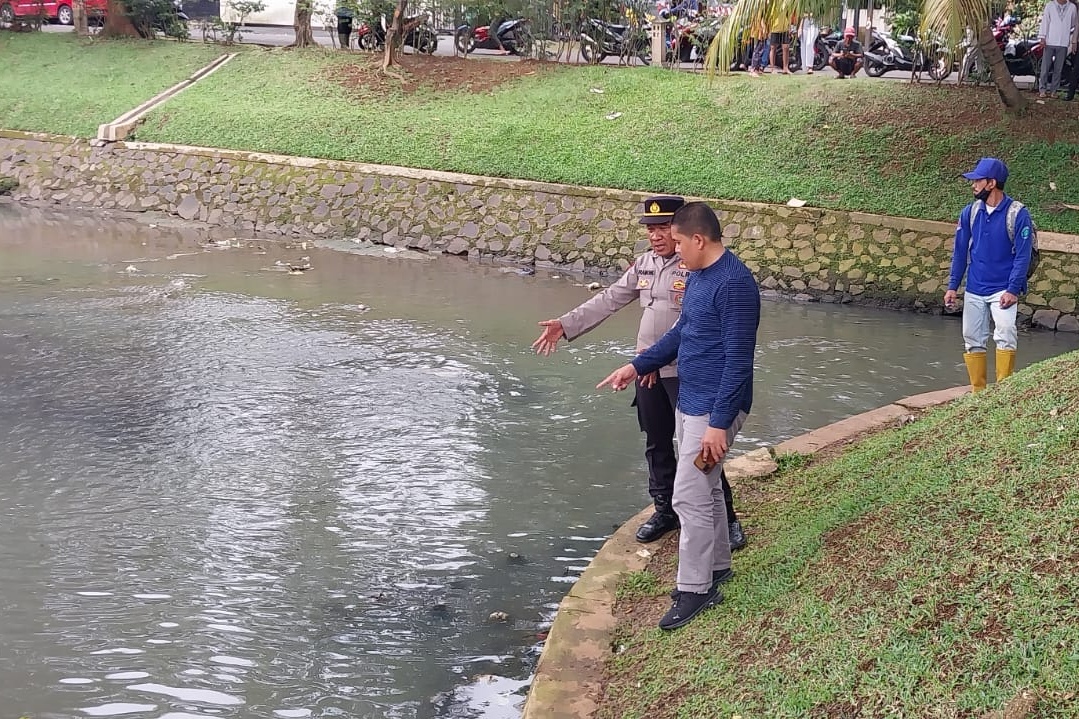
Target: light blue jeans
(977, 309)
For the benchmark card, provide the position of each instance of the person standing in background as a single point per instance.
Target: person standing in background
(1056, 35)
(808, 33)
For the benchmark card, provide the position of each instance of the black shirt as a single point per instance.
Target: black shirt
(855, 47)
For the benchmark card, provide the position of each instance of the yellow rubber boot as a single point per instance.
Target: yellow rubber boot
(1005, 363)
(976, 368)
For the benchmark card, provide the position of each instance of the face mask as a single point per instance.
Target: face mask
(983, 195)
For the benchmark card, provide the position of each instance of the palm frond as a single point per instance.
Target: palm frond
(951, 18)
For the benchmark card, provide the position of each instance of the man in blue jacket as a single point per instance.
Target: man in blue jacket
(993, 249)
(714, 341)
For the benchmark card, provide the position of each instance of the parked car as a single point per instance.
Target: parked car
(52, 10)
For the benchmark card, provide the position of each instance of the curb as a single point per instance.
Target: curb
(122, 126)
(569, 674)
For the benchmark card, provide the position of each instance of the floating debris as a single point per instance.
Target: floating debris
(594, 286)
(131, 269)
(498, 616)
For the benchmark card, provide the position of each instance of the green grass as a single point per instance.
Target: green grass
(57, 83)
(873, 145)
(792, 461)
(929, 571)
(637, 584)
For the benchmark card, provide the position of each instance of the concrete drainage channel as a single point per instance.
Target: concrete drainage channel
(121, 127)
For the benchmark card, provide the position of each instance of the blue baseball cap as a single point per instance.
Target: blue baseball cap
(989, 168)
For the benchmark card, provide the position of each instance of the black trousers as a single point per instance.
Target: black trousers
(1073, 81)
(844, 65)
(655, 413)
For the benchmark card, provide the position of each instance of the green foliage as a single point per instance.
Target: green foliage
(41, 93)
(371, 11)
(7, 184)
(150, 15)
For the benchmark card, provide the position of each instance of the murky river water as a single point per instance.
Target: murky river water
(230, 491)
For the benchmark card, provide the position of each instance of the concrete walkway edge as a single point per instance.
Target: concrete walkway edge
(569, 675)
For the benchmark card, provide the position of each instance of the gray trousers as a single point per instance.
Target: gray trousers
(1052, 59)
(704, 544)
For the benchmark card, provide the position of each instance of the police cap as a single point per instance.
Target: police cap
(660, 209)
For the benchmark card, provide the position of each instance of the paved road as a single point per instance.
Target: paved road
(281, 36)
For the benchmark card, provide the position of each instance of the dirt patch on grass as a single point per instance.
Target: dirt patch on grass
(362, 75)
(954, 110)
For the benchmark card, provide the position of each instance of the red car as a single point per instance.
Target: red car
(53, 10)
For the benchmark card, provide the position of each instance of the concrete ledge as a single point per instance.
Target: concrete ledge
(569, 676)
(122, 126)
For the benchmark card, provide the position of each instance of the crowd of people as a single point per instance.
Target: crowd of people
(693, 369)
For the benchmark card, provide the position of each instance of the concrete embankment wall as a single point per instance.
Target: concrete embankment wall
(805, 253)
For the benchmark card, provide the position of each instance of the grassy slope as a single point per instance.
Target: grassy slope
(55, 83)
(930, 571)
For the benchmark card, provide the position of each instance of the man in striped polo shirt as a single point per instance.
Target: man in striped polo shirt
(714, 341)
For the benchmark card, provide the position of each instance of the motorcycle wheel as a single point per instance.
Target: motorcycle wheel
(523, 43)
(874, 68)
(368, 42)
(819, 61)
(794, 63)
(941, 67)
(591, 53)
(464, 41)
(428, 42)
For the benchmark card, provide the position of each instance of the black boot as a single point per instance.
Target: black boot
(736, 535)
(662, 521)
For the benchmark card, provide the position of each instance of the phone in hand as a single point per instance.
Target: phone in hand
(702, 464)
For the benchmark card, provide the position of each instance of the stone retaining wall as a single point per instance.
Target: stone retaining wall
(803, 253)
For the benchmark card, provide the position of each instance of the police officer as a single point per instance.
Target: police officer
(658, 280)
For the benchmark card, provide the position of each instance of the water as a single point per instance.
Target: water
(230, 491)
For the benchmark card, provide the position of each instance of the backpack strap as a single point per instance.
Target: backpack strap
(1013, 213)
(974, 208)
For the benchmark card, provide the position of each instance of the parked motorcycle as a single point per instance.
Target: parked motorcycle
(903, 54)
(601, 39)
(1022, 56)
(516, 36)
(422, 38)
(823, 46)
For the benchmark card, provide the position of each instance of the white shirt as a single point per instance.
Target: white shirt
(1058, 24)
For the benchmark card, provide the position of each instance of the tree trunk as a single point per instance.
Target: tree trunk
(998, 69)
(393, 36)
(117, 23)
(82, 27)
(305, 37)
